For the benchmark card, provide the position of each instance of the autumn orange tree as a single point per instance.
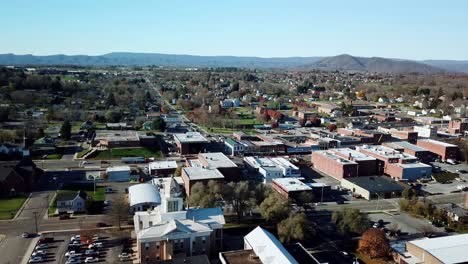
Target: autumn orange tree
(374, 243)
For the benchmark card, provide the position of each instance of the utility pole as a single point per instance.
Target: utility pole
(321, 198)
(35, 221)
(47, 205)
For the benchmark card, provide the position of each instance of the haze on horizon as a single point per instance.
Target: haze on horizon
(411, 30)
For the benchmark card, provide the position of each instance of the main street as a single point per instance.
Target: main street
(173, 109)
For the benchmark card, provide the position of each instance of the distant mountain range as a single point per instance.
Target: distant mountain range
(341, 62)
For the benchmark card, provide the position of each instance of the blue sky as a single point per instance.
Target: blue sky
(411, 29)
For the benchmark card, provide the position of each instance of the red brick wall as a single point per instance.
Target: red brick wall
(333, 168)
(445, 152)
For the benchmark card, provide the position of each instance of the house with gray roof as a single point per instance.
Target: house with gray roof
(71, 202)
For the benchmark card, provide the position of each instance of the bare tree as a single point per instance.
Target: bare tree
(119, 210)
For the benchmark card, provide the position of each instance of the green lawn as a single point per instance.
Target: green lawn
(9, 206)
(100, 195)
(82, 152)
(127, 152)
(54, 156)
(444, 177)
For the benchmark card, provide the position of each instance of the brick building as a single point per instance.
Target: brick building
(457, 126)
(290, 187)
(333, 165)
(192, 175)
(367, 165)
(422, 154)
(190, 143)
(443, 150)
(400, 166)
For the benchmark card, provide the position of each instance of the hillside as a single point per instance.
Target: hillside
(340, 62)
(375, 64)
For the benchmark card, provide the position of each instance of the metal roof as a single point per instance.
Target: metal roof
(268, 248)
(448, 249)
(143, 193)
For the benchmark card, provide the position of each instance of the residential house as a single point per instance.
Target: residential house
(71, 202)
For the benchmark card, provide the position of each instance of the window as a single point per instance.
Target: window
(172, 206)
(150, 223)
(146, 246)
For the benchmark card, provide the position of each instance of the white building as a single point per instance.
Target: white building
(426, 131)
(271, 168)
(169, 231)
(142, 197)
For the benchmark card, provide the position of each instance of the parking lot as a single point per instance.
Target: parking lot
(445, 188)
(111, 245)
(405, 222)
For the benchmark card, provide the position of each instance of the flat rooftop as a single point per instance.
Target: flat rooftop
(118, 168)
(195, 173)
(376, 183)
(332, 156)
(448, 249)
(240, 257)
(217, 160)
(190, 137)
(386, 152)
(282, 162)
(291, 184)
(436, 142)
(407, 145)
(412, 165)
(163, 164)
(356, 155)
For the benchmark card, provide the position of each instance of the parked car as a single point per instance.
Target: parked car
(95, 245)
(42, 246)
(36, 259)
(73, 254)
(73, 261)
(75, 244)
(91, 252)
(75, 237)
(451, 162)
(39, 253)
(46, 240)
(462, 171)
(125, 256)
(91, 260)
(109, 190)
(101, 224)
(26, 235)
(64, 216)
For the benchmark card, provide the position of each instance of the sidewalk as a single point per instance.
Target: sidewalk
(30, 250)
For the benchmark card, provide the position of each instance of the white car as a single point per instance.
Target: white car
(39, 253)
(35, 260)
(95, 245)
(91, 260)
(42, 246)
(125, 256)
(75, 237)
(73, 261)
(72, 254)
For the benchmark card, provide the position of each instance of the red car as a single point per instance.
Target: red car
(100, 224)
(64, 216)
(46, 240)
